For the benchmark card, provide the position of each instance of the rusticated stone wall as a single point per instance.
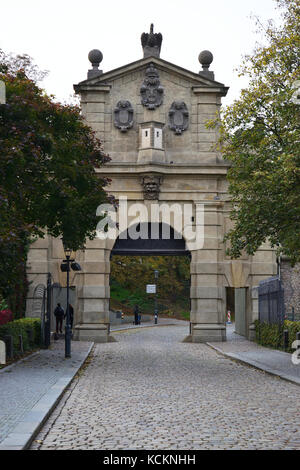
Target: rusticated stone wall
(290, 277)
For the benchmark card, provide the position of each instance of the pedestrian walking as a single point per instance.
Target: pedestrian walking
(59, 315)
(136, 315)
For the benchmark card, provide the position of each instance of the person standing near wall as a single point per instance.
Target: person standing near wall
(59, 315)
(136, 315)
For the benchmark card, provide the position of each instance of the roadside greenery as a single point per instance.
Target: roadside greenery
(48, 181)
(271, 335)
(260, 136)
(131, 274)
(29, 328)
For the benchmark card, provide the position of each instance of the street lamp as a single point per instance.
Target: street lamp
(156, 272)
(65, 267)
(68, 251)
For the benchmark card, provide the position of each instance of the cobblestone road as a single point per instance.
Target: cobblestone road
(151, 391)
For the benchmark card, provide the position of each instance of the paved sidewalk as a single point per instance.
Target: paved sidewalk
(269, 360)
(31, 388)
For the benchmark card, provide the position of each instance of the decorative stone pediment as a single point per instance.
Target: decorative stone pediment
(178, 117)
(123, 115)
(105, 79)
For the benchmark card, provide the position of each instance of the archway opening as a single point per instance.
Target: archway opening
(162, 261)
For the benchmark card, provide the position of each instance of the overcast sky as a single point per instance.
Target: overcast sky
(58, 34)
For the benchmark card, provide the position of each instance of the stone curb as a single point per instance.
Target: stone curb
(142, 326)
(256, 365)
(26, 430)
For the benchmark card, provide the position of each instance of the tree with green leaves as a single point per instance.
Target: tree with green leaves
(260, 136)
(48, 182)
(131, 274)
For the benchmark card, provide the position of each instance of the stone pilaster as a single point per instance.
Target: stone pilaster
(37, 270)
(93, 293)
(207, 291)
(254, 311)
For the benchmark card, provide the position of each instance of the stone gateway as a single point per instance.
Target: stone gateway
(151, 117)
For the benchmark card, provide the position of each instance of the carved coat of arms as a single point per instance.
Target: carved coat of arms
(178, 117)
(151, 89)
(123, 115)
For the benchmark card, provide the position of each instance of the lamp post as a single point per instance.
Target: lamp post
(68, 332)
(156, 272)
(48, 310)
(65, 267)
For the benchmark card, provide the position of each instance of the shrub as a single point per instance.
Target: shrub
(29, 328)
(293, 327)
(186, 315)
(3, 304)
(6, 316)
(272, 334)
(168, 313)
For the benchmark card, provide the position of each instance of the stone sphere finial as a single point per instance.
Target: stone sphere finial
(95, 57)
(205, 58)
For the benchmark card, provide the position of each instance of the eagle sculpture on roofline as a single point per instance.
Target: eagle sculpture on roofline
(151, 43)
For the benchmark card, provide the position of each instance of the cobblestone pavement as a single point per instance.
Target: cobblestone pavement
(151, 391)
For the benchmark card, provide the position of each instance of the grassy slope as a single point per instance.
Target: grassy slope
(125, 300)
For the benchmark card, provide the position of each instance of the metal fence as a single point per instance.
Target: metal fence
(292, 316)
(42, 307)
(271, 301)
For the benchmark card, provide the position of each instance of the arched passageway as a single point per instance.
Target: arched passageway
(154, 239)
(157, 257)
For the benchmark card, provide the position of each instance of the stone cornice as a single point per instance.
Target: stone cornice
(92, 88)
(219, 90)
(165, 169)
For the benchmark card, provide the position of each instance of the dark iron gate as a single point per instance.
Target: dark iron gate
(271, 301)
